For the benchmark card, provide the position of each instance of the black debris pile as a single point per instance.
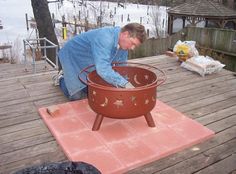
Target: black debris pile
(61, 168)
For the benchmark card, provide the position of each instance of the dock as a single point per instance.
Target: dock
(211, 100)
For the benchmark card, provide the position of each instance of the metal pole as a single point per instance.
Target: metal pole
(44, 49)
(33, 54)
(24, 43)
(57, 68)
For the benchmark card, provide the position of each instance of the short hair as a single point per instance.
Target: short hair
(135, 30)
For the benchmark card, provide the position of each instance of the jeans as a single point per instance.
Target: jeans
(77, 96)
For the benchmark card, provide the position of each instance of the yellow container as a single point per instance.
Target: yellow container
(182, 57)
(182, 51)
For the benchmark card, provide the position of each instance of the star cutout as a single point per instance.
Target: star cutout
(146, 101)
(119, 103)
(94, 92)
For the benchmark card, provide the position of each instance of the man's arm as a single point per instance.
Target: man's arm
(101, 50)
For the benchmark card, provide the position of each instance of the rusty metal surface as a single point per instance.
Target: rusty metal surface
(121, 103)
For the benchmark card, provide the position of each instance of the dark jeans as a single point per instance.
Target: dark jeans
(77, 96)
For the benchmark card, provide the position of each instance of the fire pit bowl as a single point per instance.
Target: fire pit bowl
(122, 103)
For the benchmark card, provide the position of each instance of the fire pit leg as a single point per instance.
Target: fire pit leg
(97, 122)
(149, 120)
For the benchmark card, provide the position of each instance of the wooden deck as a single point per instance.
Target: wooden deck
(211, 100)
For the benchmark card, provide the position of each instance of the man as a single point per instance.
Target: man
(99, 47)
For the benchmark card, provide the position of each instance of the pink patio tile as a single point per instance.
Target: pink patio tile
(160, 106)
(120, 145)
(191, 130)
(115, 132)
(81, 107)
(66, 110)
(44, 114)
(168, 117)
(164, 139)
(131, 152)
(139, 126)
(79, 142)
(89, 118)
(66, 125)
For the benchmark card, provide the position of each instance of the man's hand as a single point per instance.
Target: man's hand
(129, 85)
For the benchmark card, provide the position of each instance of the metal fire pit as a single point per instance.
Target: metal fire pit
(121, 103)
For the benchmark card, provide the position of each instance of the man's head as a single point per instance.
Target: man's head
(131, 36)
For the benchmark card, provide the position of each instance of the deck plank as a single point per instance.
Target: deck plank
(25, 140)
(228, 163)
(210, 89)
(203, 160)
(165, 163)
(12, 137)
(218, 115)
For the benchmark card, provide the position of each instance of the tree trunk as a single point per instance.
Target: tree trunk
(44, 25)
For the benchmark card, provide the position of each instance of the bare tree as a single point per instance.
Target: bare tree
(44, 24)
(155, 16)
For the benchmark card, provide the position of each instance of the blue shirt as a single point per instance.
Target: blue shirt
(97, 47)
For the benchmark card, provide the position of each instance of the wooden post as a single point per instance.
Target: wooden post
(86, 28)
(53, 20)
(128, 19)
(206, 23)
(110, 15)
(99, 22)
(75, 31)
(170, 24)
(27, 21)
(183, 22)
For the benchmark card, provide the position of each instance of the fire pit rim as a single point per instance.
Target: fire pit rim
(156, 83)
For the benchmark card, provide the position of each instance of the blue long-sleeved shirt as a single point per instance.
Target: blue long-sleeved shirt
(98, 47)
